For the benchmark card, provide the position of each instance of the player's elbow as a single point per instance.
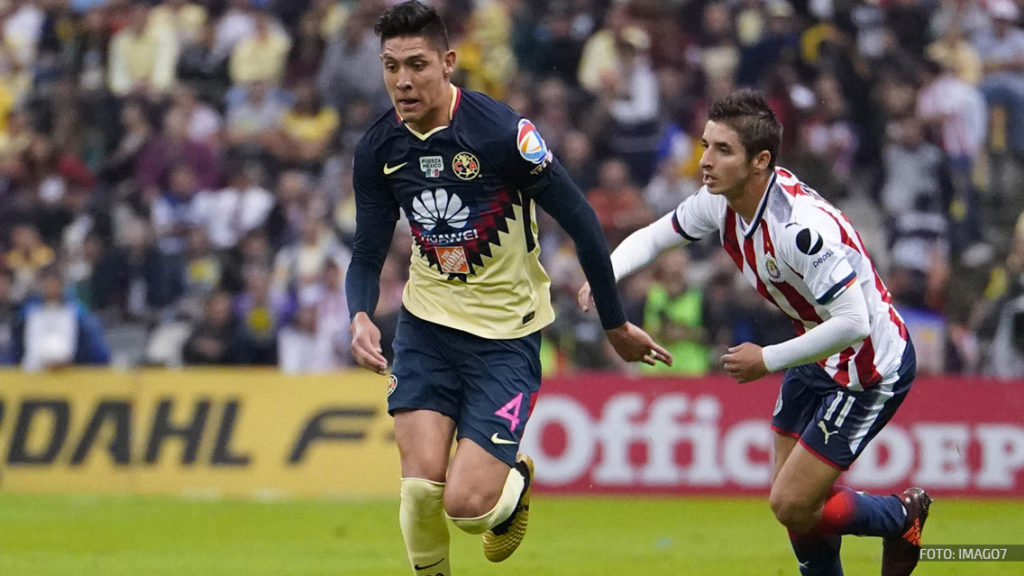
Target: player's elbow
(861, 328)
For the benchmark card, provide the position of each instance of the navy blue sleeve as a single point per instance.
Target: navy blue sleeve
(559, 196)
(376, 214)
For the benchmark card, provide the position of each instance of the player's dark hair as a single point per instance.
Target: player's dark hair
(413, 18)
(747, 112)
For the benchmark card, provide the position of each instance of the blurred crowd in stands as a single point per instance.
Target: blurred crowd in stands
(175, 186)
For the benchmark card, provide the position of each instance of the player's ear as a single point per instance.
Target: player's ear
(762, 160)
(448, 64)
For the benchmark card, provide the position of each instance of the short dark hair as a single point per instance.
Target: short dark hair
(747, 112)
(413, 18)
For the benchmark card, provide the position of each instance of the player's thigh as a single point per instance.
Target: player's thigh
(424, 439)
(424, 396)
(501, 380)
(802, 485)
(475, 480)
(784, 445)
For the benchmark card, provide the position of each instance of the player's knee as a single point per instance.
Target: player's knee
(793, 513)
(467, 502)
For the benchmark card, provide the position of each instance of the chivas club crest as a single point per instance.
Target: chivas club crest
(772, 267)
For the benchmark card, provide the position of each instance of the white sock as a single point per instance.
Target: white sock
(421, 516)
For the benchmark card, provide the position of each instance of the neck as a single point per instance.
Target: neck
(747, 202)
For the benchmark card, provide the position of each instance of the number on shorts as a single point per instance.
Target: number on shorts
(842, 412)
(510, 411)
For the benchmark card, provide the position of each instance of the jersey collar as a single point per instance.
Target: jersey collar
(456, 97)
(760, 208)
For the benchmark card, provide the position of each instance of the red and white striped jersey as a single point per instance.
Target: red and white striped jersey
(800, 252)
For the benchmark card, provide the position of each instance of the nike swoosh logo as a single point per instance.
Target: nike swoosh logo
(499, 440)
(392, 169)
(418, 567)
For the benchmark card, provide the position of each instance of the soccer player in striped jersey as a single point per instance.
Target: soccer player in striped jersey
(852, 362)
(468, 172)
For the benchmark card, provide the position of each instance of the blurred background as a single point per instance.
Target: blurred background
(175, 219)
(175, 187)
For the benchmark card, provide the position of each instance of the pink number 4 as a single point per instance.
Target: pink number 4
(510, 411)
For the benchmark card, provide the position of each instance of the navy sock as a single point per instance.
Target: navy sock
(849, 512)
(818, 554)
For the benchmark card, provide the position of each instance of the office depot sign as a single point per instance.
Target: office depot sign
(610, 434)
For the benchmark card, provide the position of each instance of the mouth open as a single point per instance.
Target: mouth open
(407, 103)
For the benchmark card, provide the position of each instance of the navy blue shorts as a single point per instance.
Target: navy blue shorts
(487, 386)
(835, 423)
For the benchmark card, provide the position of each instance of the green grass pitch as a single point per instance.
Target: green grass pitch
(150, 536)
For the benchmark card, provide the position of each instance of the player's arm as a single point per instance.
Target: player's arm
(637, 251)
(643, 246)
(700, 214)
(818, 256)
(376, 214)
(559, 196)
(847, 325)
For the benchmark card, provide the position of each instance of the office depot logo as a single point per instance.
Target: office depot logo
(700, 443)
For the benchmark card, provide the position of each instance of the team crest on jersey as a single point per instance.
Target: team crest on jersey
(772, 267)
(392, 384)
(432, 166)
(531, 146)
(466, 166)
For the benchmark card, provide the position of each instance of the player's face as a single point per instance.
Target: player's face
(416, 77)
(725, 167)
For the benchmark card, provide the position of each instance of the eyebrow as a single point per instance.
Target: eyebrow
(716, 143)
(411, 58)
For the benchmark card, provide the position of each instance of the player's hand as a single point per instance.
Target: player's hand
(745, 362)
(366, 350)
(584, 298)
(634, 345)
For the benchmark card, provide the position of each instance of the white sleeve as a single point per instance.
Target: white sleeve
(694, 218)
(644, 245)
(848, 324)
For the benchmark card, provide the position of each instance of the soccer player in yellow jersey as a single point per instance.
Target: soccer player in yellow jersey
(467, 171)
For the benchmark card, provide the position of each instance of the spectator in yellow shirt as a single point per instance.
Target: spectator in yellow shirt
(306, 130)
(182, 18)
(142, 59)
(262, 55)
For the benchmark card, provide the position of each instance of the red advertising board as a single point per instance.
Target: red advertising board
(610, 434)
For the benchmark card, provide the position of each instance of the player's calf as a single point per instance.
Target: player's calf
(423, 526)
(504, 538)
